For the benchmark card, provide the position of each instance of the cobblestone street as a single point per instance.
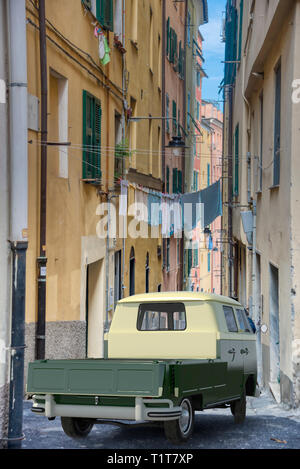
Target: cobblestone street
(268, 426)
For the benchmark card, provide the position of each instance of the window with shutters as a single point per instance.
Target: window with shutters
(91, 158)
(189, 260)
(178, 124)
(105, 13)
(189, 111)
(179, 184)
(175, 180)
(173, 57)
(195, 257)
(168, 254)
(167, 113)
(198, 110)
(168, 37)
(174, 117)
(168, 179)
(208, 175)
(189, 28)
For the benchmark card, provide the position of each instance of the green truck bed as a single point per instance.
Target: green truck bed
(147, 378)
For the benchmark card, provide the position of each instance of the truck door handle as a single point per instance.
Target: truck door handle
(244, 351)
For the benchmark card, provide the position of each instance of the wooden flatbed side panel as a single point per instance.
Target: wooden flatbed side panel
(96, 377)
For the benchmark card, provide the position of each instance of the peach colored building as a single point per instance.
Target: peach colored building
(214, 118)
(173, 109)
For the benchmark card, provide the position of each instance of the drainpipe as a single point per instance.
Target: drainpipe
(19, 211)
(255, 311)
(42, 259)
(106, 324)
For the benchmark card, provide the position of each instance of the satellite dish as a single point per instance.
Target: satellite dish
(101, 47)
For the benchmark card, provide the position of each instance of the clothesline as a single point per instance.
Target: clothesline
(174, 212)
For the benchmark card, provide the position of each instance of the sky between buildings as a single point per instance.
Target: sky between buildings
(213, 51)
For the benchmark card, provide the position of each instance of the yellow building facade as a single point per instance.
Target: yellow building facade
(90, 102)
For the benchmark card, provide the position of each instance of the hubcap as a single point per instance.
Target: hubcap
(184, 421)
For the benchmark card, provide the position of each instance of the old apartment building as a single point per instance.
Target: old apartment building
(261, 258)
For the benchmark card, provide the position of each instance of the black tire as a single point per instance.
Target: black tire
(76, 427)
(178, 431)
(238, 409)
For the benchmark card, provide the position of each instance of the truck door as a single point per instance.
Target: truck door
(230, 352)
(247, 347)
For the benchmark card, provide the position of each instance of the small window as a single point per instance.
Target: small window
(161, 317)
(243, 321)
(230, 319)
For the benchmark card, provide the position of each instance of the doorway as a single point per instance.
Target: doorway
(94, 309)
(274, 333)
(132, 272)
(118, 277)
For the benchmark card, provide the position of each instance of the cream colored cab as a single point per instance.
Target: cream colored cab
(205, 326)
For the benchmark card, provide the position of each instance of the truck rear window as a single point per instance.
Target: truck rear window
(161, 317)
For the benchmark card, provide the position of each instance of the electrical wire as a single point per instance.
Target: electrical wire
(141, 152)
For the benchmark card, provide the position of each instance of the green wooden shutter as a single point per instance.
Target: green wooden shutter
(180, 68)
(190, 260)
(175, 52)
(97, 138)
(91, 158)
(175, 180)
(179, 188)
(105, 13)
(167, 113)
(87, 138)
(174, 116)
(168, 37)
(172, 45)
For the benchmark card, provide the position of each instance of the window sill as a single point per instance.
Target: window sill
(92, 182)
(276, 186)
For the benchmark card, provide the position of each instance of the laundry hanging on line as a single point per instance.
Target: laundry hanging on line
(175, 212)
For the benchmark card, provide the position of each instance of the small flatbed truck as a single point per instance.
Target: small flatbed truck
(166, 356)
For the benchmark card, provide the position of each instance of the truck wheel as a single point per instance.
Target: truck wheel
(238, 409)
(179, 431)
(76, 427)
